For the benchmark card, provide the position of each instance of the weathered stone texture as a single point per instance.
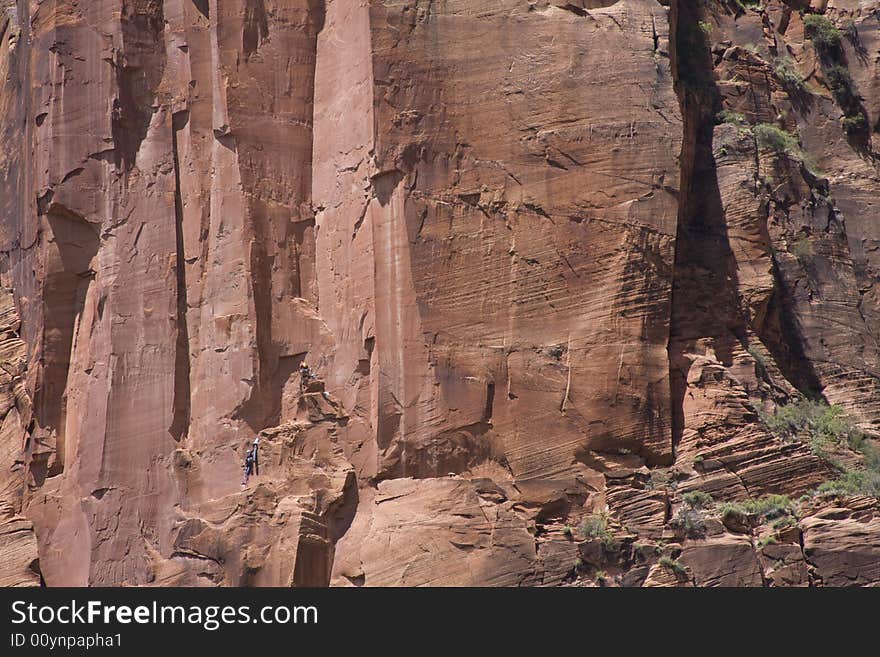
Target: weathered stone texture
(534, 274)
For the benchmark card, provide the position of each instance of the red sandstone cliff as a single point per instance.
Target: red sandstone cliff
(560, 267)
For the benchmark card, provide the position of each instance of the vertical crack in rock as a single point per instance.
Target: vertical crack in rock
(275, 166)
(139, 68)
(256, 26)
(72, 243)
(182, 409)
(256, 411)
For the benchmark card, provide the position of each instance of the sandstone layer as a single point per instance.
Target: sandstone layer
(538, 255)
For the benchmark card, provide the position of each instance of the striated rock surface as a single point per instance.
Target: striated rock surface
(436, 532)
(841, 544)
(18, 543)
(554, 265)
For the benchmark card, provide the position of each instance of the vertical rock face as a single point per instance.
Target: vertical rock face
(532, 270)
(503, 243)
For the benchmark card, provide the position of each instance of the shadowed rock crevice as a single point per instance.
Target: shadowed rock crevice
(203, 6)
(785, 342)
(256, 26)
(73, 245)
(705, 306)
(182, 370)
(139, 69)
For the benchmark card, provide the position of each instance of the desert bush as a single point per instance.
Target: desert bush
(671, 564)
(811, 166)
(783, 522)
(731, 511)
(764, 541)
(822, 32)
(769, 507)
(790, 78)
(854, 482)
(801, 248)
(757, 355)
(823, 428)
(729, 116)
(596, 526)
(820, 425)
(841, 84)
(689, 521)
(697, 499)
(854, 124)
(776, 139)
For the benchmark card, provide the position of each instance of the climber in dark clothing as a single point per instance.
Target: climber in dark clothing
(250, 462)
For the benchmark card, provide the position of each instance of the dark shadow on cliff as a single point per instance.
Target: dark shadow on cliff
(782, 338)
(182, 411)
(705, 305)
(68, 275)
(139, 68)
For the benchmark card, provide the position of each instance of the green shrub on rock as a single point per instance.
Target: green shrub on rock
(822, 32)
(775, 139)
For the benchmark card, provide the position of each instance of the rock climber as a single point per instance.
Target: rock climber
(250, 462)
(305, 375)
